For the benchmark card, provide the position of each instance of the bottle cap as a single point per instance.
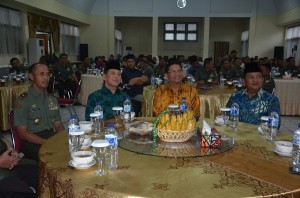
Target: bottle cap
(110, 125)
(76, 133)
(97, 103)
(100, 143)
(73, 117)
(264, 118)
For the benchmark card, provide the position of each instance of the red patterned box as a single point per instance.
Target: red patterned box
(211, 141)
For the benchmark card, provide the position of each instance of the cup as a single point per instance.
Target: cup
(225, 113)
(76, 139)
(99, 149)
(96, 123)
(264, 125)
(2, 83)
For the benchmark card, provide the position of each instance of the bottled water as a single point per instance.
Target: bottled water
(111, 136)
(127, 114)
(221, 80)
(234, 115)
(296, 151)
(99, 110)
(73, 124)
(153, 82)
(10, 79)
(183, 104)
(273, 123)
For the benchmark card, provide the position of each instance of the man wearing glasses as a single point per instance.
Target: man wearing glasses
(172, 92)
(36, 113)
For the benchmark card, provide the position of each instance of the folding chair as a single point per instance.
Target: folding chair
(16, 140)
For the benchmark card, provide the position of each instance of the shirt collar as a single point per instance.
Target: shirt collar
(108, 91)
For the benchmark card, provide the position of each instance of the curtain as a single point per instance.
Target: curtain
(292, 43)
(221, 49)
(11, 32)
(244, 43)
(44, 24)
(70, 39)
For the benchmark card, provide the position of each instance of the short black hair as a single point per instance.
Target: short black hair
(223, 60)
(33, 67)
(267, 65)
(130, 56)
(171, 61)
(193, 59)
(13, 59)
(63, 55)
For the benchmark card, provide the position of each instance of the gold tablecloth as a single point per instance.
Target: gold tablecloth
(288, 93)
(90, 83)
(8, 96)
(251, 168)
(210, 100)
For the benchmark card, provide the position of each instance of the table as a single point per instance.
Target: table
(90, 83)
(288, 93)
(8, 96)
(211, 100)
(251, 168)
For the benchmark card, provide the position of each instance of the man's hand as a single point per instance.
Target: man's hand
(9, 159)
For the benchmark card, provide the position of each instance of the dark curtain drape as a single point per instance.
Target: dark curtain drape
(221, 49)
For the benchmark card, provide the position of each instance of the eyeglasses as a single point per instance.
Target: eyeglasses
(174, 72)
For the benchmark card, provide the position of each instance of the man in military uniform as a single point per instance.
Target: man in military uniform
(269, 83)
(16, 66)
(36, 113)
(207, 74)
(65, 77)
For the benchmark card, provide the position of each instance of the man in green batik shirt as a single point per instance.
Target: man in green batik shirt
(36, 113)
(109, 96)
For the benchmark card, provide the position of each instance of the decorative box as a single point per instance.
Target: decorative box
(211, 141)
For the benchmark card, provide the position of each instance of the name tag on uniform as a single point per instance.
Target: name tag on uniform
(53, 107)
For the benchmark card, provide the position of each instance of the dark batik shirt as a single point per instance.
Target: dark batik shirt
(251, 109)
(129, 74)
(107, 100)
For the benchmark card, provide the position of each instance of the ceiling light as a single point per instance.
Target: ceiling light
(181, 3)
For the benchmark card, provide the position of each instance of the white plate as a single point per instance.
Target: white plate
(282, 154)
(82, 167)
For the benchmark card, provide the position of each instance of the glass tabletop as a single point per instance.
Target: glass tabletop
(191, 148)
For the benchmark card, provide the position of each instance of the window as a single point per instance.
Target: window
(11, 32)
(292, 43)
(244, 43)
(180, 32)
(69, 39)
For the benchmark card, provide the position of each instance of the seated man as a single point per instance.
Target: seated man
(65, 78)
(225, 68)
(172, 92)
(36, 113)
(18, 177)
(253, 101)
(16, 66)
(136, 81)
(207, 75)
(236, 71)
(109, 96)
(269, 83)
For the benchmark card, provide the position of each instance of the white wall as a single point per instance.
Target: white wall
(229, 30)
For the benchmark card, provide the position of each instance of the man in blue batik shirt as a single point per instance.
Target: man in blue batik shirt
(253, 101)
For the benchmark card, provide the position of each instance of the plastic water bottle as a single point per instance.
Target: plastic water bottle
(153, 82)
(99, 110)
(273, 123)
(183, 104)
(111, 136)
(296, 151)
(73, 124)
(234, 115)
(127, 114)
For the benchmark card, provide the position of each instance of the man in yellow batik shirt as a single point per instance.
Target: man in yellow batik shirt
(172, 92)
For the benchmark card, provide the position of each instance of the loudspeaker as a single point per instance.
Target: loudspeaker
(84, 51)
(278, 52)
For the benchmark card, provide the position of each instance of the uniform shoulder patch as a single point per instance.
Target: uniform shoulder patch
(23, 95)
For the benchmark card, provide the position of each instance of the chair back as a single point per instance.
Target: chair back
(16, 140)
(77, 92)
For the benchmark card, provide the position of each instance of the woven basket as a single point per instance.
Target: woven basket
(175, 136)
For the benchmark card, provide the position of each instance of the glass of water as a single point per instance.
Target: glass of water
(117, 114)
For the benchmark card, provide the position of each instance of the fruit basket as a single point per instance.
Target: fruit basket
(175, 125)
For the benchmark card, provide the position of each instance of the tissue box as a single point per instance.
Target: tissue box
(211, 141)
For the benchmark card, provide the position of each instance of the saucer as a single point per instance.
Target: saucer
(82, 167)
(282, 153)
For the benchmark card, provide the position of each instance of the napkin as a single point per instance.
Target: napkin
(206, 130)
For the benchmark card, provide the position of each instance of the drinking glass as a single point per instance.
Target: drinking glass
(117, 113)
(225, 113)
(264, 126)
(76, 139)
(96, 123)
(99, 149)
